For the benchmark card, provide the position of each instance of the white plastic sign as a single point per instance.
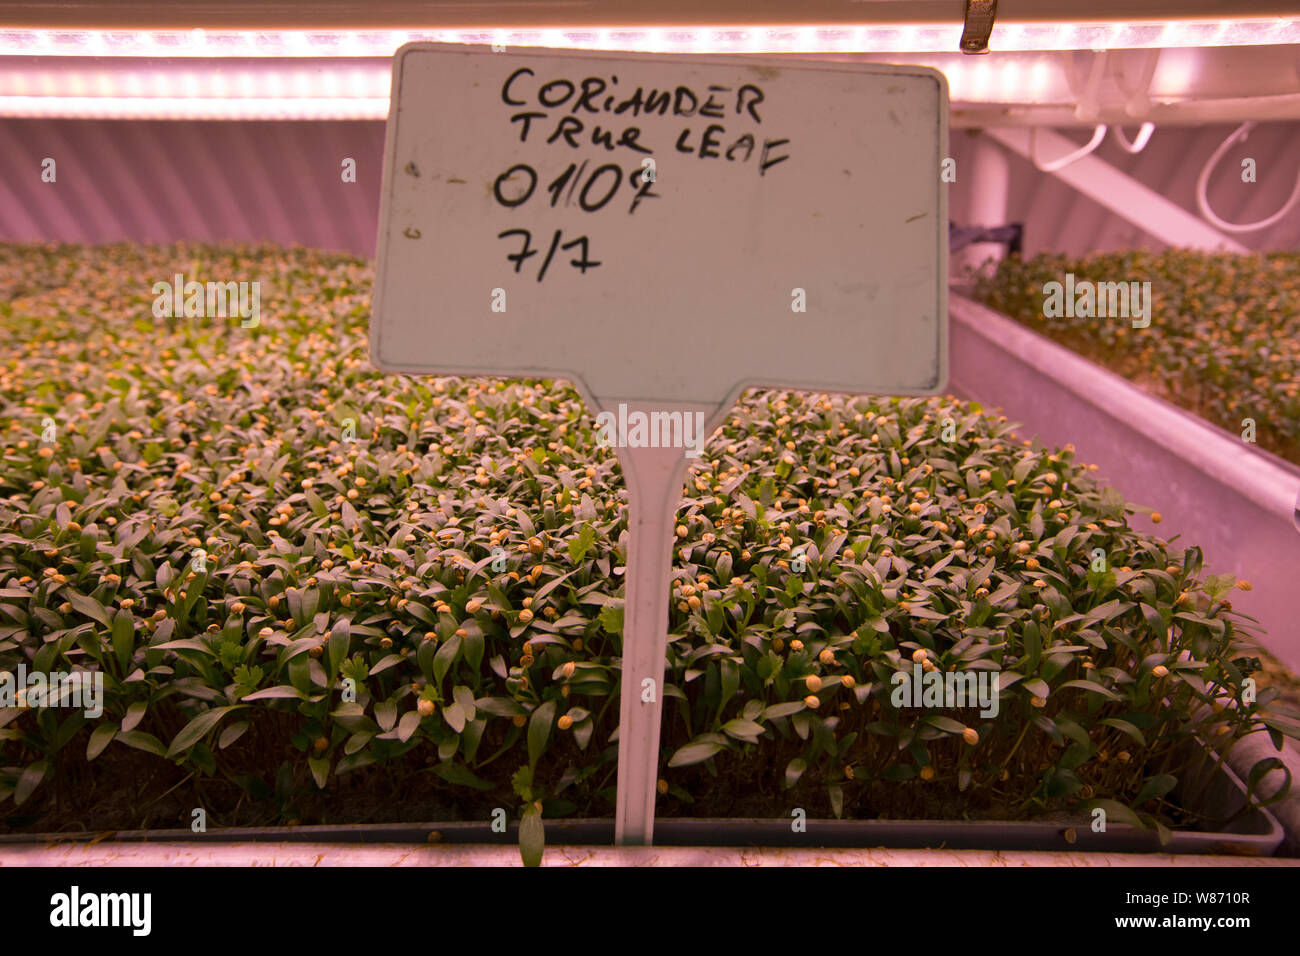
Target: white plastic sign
(663, 231)
(770, 222)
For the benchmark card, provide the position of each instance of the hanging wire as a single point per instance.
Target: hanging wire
(1050, 167)
(1202, 184)
(1140, 141)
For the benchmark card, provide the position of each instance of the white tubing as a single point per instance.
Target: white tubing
(1098, 135)
(1140, 141)
(1125, 196)
(1203, 181)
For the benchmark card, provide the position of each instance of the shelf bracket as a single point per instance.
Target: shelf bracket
(978, 26)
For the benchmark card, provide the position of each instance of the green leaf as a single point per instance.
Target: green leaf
(185, 644)
(30, 779)
(354, 762)
(123, 638)
(730, 682)
(446, 655)
(100, 738)
(551, 585)
(142, 741)
(320, 770)
(407, 725)
(387, 661)
(581, 544)
(611, 619)
(454, 716)
(784, 710)
(1037, 687)
(1033, 648)
(465, 698)
(499, 706)
(521, 781)
(196, 730)
(386, 714)
(742, 729)
(232, 733)
(1156, 621)
(979, 577)
(473, 650)
(532, 837)
(340, 639)
(1126, 727)
(271, 693)
(461, 776)
(89, 607)
(836, 793)
(314, 502)
(539, 731)
(134, 714)
(694, 753)
(1156, 786)
(794, 770)
(1092, 687)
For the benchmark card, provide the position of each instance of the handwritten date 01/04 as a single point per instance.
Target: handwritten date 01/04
(582, 262)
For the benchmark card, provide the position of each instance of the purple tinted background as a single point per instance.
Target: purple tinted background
(278, 181)
(159, 181)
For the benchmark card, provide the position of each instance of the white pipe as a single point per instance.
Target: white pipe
(1203, 182)
(990, 186)
(1098, 135)
(964, 114)
(1139, 142)
(1125, 196)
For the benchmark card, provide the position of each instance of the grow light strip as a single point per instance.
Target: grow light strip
(826, 38)
(359, 89)
(195, 108)
(279, 91)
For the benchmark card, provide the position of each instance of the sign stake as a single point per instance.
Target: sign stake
(654, 478)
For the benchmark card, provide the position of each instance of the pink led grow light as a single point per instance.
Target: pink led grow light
(344, 74)
(827, 38)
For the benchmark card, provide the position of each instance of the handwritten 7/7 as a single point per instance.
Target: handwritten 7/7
(582, 262)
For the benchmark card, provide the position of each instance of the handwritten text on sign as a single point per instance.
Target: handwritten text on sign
(558, 112)
(663, 228)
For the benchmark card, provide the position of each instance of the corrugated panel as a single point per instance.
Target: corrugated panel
(208, 181)
(160, 181)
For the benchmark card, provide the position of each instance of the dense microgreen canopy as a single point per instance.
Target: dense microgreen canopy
(319, 593)
(1224, 338)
